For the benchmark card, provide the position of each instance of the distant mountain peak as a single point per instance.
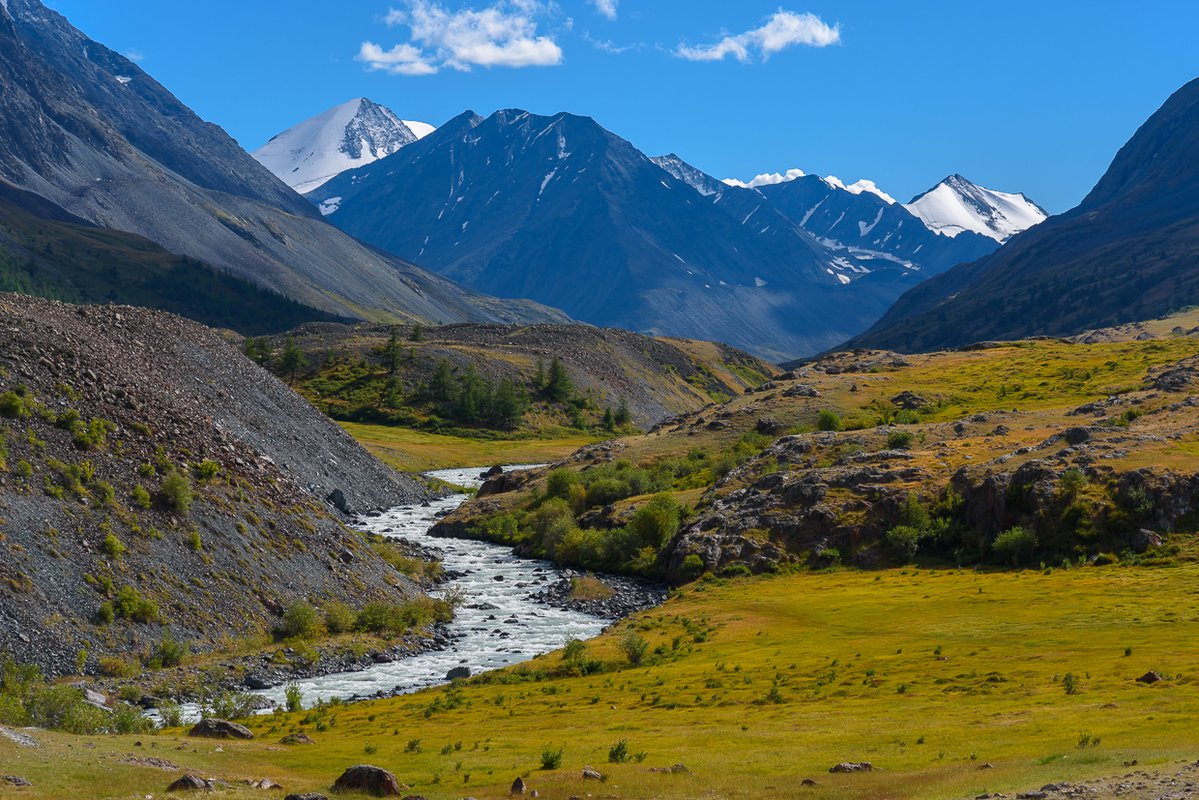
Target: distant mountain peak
(957, 204)
(353, 134)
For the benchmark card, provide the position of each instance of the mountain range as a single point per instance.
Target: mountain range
(87, 130)
(1127, 252)
(561, 210)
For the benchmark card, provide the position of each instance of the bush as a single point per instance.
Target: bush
(130, 605)
(618, 753)
(91, 435)
(293, 697)
(899, 440)
(633, 645)
(904, 540)
(12, 405)
(1015, 544)
(195, 542)
(140, 497)
(560, 482)
(300, 621)
(692, 567)
(206, 470)
(168, 652)
(112, 546)
(829, 421)
(655, 523)
(176, 492)
(551, 758)
(339, 618)
(105, 613)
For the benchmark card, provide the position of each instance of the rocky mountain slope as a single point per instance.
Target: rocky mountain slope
(353, 134)
(48, 252)
(87, 129)
(1125, 253)
(349, 375)
(561, 210)
(155, 481)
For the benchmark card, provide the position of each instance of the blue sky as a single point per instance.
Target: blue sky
(1019, 96)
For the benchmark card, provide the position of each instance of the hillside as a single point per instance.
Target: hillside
(94, 134)
(385, 374)
(47, 252)
(1125, 253)
(1035, 451)
(154, 483)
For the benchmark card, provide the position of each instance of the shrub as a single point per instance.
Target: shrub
(171, 714)
(560, 482)
(692, 567)
(24, 469)
(300, 621)
(195, 542)
(1070, 683)
(1072, 482)
(168, 652)
(904, 540)
(339, 618)
(618, 753)
(176, 492)
(633, 645)
(112, 546)
(12, 405)
(130, 605)
(603, 491)
(551, 757)
(91, 435)
(656, 522)
(206, 470)
(1015, 544)
(146, 470)
(294, 698)
(899, 440)
(105, 613)
(104, 493)
(829, 421)
(140, 497)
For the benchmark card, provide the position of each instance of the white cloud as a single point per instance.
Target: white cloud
(606, 7)
(766, 179)
(503, 34)
(784, 29)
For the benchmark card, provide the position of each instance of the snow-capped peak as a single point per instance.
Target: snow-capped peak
(955, 205)
(350, 135)
(700, 181)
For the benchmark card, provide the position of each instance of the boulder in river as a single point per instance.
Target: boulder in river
(457, 672)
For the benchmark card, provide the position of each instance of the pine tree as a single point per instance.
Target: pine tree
(539, 376)
(508, 406)
(293, 359)
(609, 419)
(418, 333)
(558, 386)
(442, 388)
(623, 417)
(391, 355)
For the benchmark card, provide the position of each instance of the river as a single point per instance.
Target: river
(499, 622)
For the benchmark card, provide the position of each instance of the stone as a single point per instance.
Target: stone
(1076, 435)
(590, 774)
(770, 426)
(265, 783)
(220, 729)
(808, 782)
(189, 783)
(677, 769)
(256, 681)
(518, 786)
(306, 796)
(337, 499)
(800, 390)
(494, 472)
(297, 738)
(457, 672)
(369, 779)
(853, 766)
(16, 780)
(909, 401)
(1149, 677)
(1145, 539)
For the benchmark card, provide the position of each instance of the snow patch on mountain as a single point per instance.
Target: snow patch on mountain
(350, 135)
(419, 129)
(956, 205)
(700, 181)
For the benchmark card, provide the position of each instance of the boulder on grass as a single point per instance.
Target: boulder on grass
(220, 729)
(853, 766)
(369, 779)
(189, 783)
(1149, 677)
(518, 786)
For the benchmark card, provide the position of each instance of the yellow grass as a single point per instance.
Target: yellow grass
(416, 451)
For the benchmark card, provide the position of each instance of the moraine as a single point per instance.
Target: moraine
(500, 621)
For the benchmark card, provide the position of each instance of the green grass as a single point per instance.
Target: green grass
(926, 674)
(417, 451)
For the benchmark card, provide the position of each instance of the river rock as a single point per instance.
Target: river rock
(457, 672)
(367, 778)
(220, 729)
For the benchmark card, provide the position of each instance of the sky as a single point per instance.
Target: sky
(1034, 97)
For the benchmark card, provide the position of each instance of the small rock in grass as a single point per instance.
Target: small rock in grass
(189, 783)
(369, 779)
(853, 766)
(518, 786)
